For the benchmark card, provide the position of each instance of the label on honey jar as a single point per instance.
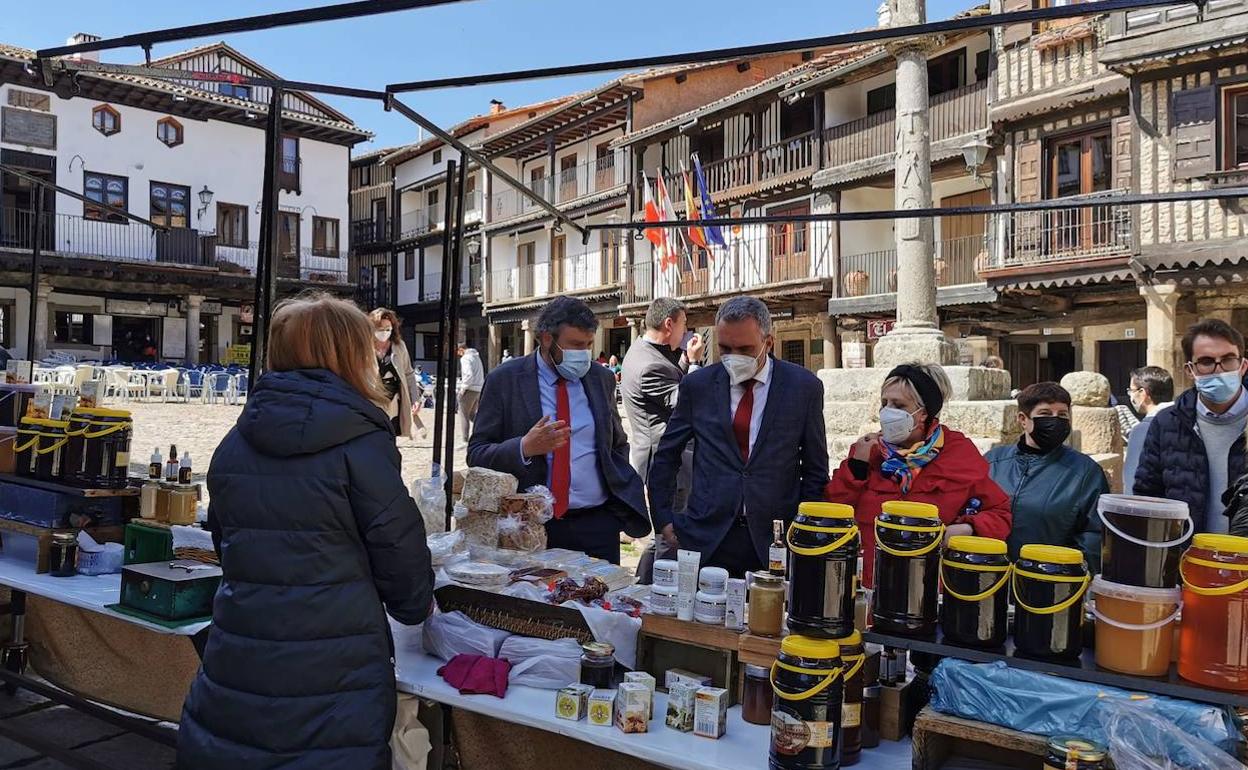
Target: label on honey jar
(791, 736)
(123, 460)
(851, 715)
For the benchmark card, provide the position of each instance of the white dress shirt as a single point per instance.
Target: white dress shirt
(762, 385)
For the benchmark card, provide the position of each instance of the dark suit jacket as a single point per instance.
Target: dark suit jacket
(511, 404)
(788, 465)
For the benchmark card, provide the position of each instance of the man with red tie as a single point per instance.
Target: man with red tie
(550, 418)
(758, 426)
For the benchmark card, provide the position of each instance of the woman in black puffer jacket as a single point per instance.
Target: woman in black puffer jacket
(318, 540)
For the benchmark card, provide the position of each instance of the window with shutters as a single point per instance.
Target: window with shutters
(169, 204)
(232, 225)
(1235, 128)
(325, 237)
(1079, 165)
(107, 189)
(409, 265)
(1193, 131)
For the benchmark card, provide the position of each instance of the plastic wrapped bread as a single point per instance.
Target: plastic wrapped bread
(485, 489)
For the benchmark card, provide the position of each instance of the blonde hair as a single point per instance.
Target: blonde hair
(386, 314)
(320, 331)
(931, 370)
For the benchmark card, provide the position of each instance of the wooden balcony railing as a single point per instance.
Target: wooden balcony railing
(957, 262)
(1064, 235)
(788, 156)
(953, 113)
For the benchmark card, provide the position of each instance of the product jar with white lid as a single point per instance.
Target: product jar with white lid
(713, 580)
(663, 600)
(666, 572)
(1134, 626)
(710, 608)
(1143, 539)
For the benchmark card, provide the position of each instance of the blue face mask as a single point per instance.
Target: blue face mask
(575, 364)
(1219, 388)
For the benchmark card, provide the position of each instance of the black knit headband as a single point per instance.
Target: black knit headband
(929, 391)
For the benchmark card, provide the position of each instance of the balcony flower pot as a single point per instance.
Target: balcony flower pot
(892, 279)
(857, 283)
(940, 265)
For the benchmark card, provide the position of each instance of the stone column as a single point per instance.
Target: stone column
(1162, 301)
(193, 302)
(831, 356)
(917, 336)
(526, 328)
(634, 331)
(38, 347)
(600, 339)
(494, 348)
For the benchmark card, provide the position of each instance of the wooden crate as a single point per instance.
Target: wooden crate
(937, 738)
(758, 650)
(44, 536)
(666, 643)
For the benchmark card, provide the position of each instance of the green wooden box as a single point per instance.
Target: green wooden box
(146, 543)
(173, 590)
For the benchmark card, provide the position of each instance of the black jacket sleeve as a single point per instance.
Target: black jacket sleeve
(1236, 499)
(391, 528)
(814, 449)
(661, 483)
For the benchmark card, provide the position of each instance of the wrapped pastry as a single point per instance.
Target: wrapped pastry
(485, 489)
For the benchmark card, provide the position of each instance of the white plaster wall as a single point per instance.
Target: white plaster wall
(226, 158)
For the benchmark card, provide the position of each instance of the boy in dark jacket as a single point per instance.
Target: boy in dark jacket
(1195, 449)
(1053, 489)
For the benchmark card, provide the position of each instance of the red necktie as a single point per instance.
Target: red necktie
(561, 472)
(741, 420)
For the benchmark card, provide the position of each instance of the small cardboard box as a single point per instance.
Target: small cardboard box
(632, 707)
(17, 372)
(680, 704)
(572, 702)
(710, 712)
(601, 707)
(641, 677)
(682, 676)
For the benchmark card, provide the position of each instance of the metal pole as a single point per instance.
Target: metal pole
(443, 390)
(269, 240)
(453, 264)
(36, 249)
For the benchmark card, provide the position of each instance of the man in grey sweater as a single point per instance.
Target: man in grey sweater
(1195, 449)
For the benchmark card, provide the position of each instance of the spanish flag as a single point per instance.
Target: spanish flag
(696, 234)
(656, 235)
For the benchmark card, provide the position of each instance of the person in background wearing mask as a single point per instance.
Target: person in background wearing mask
(917, 459)
(1053, 489)
(757, 423)
(1194, 449)
(506, 356)
(395, 367)
(550, 419)
(468, 389)
(1151, 390)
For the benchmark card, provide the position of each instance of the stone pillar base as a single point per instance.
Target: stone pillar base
(902, 346)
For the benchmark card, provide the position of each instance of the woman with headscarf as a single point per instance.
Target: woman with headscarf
(916, 458)
(394, 366)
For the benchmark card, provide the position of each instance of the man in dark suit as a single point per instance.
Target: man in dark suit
(761, 448)
(653, 369)
(550, 418)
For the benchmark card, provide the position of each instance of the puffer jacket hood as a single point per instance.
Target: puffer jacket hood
(306, 411)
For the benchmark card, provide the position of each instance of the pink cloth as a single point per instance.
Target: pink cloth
(477, 675)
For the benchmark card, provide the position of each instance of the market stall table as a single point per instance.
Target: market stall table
(743, 747)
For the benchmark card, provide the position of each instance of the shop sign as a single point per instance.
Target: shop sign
(238, 354)
(854, 355)
(877, 329)
(206, 307)
(247, 314)
(135, 307)
(782, 314)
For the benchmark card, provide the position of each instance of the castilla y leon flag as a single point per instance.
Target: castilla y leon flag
(656, 235)
(696, 236)
(713, 234)
(667, 213)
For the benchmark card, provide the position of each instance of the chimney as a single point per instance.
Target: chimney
(496, 107)
(885, 14)
(84, 37)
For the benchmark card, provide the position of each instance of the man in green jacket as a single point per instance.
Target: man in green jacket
(1053, 489)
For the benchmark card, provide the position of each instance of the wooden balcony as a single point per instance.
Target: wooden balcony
(872, 140)
(775, 165)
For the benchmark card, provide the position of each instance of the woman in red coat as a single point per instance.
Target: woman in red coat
(915, 458)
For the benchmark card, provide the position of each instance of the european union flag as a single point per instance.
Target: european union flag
(713, 234)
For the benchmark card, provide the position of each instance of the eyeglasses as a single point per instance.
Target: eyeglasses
(1210, 365)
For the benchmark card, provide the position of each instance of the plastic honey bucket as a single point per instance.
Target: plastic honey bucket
(823, 568)
(47, 461)
(100, 447)
(974, 572)
(853, 658)
(907, 565)
(1213, 638)
(1134, 626)
(24, 446)
(806, 714)
(1142, 539)
(1049, 583)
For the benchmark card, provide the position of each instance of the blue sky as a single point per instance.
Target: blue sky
(461, 39)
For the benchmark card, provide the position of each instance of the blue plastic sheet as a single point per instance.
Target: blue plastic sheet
(1050, 705)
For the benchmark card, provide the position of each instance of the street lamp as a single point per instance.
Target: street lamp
(975, 153)
(205, 200)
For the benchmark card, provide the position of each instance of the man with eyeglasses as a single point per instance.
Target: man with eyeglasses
(1151, 391)
(1195, 449)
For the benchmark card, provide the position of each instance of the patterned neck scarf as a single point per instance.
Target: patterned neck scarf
(903, 465)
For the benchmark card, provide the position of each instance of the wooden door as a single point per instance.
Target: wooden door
(788, 244)
(1116, 359)
(288, 245)
(1080, 165)
(567, 178)
(1024, 364)
(962, 240)
(558, 264)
